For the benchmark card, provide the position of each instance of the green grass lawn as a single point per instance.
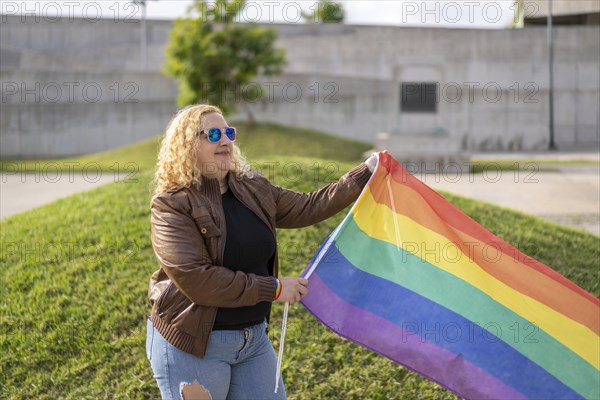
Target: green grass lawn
(263, 140)
(75, 273)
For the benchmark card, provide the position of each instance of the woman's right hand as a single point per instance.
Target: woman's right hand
(292, 289)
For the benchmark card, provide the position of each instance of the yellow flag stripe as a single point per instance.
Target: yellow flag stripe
(380, 222)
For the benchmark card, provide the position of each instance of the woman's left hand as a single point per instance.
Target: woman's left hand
(292, 289)
(372, 161)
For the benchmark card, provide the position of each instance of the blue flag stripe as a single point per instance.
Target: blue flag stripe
(438, 324)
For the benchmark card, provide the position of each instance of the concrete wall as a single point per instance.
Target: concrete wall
(493, 84)
(539, 8)
(493, 91)
(76, 87)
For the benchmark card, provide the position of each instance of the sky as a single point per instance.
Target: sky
(492, 14)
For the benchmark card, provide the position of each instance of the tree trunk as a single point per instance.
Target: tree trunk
(251, 120)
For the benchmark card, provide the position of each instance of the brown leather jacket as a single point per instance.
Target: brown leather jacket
(188, 237)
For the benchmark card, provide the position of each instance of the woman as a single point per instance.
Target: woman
(213, 232)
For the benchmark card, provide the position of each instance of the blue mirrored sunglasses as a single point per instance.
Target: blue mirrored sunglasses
(214, 134)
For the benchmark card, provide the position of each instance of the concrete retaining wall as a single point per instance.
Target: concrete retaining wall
(492, 84)
(75, 87)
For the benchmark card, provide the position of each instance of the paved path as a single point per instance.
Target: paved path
(23, 191)
(569, 196)
(592, 155)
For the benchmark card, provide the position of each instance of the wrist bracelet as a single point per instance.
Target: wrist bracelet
(278, 288)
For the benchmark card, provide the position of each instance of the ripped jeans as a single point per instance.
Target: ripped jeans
(237, 365)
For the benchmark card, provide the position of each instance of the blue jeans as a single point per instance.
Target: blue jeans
(237, 365)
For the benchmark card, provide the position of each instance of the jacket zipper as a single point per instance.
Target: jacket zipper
(223, 226)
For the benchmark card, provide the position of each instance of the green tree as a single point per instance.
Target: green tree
(215, 59)
(326, 11)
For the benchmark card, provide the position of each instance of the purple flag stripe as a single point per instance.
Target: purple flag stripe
(404, 347)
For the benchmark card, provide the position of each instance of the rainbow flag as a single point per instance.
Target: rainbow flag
(411, 277)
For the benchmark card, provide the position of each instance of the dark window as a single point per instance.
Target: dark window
(418, 97)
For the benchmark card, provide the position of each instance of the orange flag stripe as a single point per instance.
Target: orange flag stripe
(514, 269)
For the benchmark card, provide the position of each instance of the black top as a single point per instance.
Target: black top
(249, 247)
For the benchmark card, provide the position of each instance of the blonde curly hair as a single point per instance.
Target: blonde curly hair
(176, 167)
